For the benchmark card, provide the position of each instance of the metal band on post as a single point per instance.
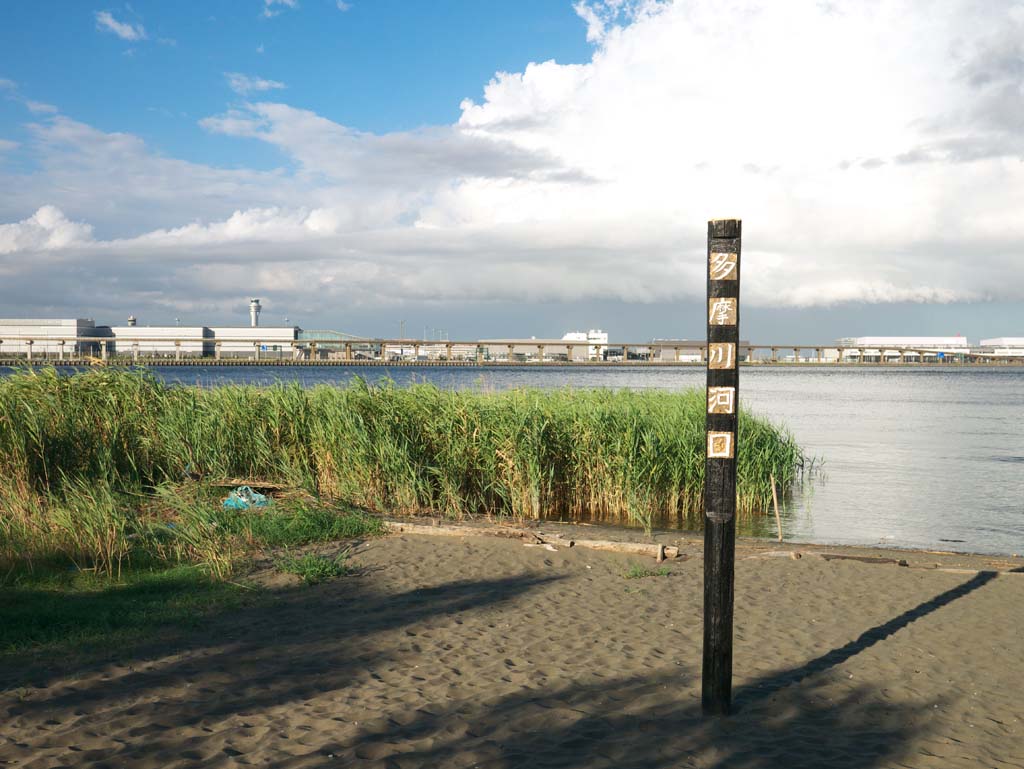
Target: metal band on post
(723, 324)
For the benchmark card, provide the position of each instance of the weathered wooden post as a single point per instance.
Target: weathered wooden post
(720, 467)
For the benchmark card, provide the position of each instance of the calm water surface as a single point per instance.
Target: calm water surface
(919, 458)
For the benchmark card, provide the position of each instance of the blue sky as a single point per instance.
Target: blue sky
(505, 168)
(380, 65)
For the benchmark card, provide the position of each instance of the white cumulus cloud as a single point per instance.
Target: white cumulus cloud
(270, 8)
(124, 30)
(246, 84)
(46, 230)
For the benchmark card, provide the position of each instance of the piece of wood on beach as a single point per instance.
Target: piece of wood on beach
(861, 558)
(634, 548)
(534, 537)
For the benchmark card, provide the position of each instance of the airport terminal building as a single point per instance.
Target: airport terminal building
(37, 338)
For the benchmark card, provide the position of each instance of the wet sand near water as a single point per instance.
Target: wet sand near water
(480, 652)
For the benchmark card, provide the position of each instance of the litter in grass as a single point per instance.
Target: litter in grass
(243, 497)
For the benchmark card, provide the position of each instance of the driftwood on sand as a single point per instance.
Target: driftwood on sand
(535, 537)
(551, 541)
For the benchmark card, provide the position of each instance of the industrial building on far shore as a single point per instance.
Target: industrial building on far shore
(81, 337)
(77, 339)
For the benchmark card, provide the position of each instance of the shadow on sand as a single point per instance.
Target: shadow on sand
(793, 718)
(783, 720)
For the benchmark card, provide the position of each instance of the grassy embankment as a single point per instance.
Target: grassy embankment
(110, 468)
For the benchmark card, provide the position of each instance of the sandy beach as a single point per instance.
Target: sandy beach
(481, 652)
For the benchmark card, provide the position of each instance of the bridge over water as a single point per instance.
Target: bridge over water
(343, 349)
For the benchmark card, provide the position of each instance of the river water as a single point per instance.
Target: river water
(912, 457)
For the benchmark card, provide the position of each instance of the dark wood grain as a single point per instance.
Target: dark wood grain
(724, 236)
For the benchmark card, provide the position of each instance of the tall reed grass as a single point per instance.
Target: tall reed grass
(79, 443)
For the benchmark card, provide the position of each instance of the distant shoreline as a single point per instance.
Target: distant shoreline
(13, 363)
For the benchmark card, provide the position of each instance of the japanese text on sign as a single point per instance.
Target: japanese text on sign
(722, 311)
(720, 446)
(721, 355)
(721, 400)
(722, 265)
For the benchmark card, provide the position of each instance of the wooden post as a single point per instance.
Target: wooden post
(723, 316)
(775, 504)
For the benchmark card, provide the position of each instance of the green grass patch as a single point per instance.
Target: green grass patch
(639, 571)
(305, 523)
(72, 612)
(312, 568)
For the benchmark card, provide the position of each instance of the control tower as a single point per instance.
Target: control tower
(254, 312)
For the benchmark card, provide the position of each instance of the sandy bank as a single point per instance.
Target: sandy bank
(478, 651)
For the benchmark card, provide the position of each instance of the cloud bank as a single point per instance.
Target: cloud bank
(874, 151)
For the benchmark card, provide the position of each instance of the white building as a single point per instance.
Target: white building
(48, 337)
(553, 350)
(678, 350)
(1004, 346)
(597, 338)
(432, 351)
(247, 341)
(157, 341)
(876, 348)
